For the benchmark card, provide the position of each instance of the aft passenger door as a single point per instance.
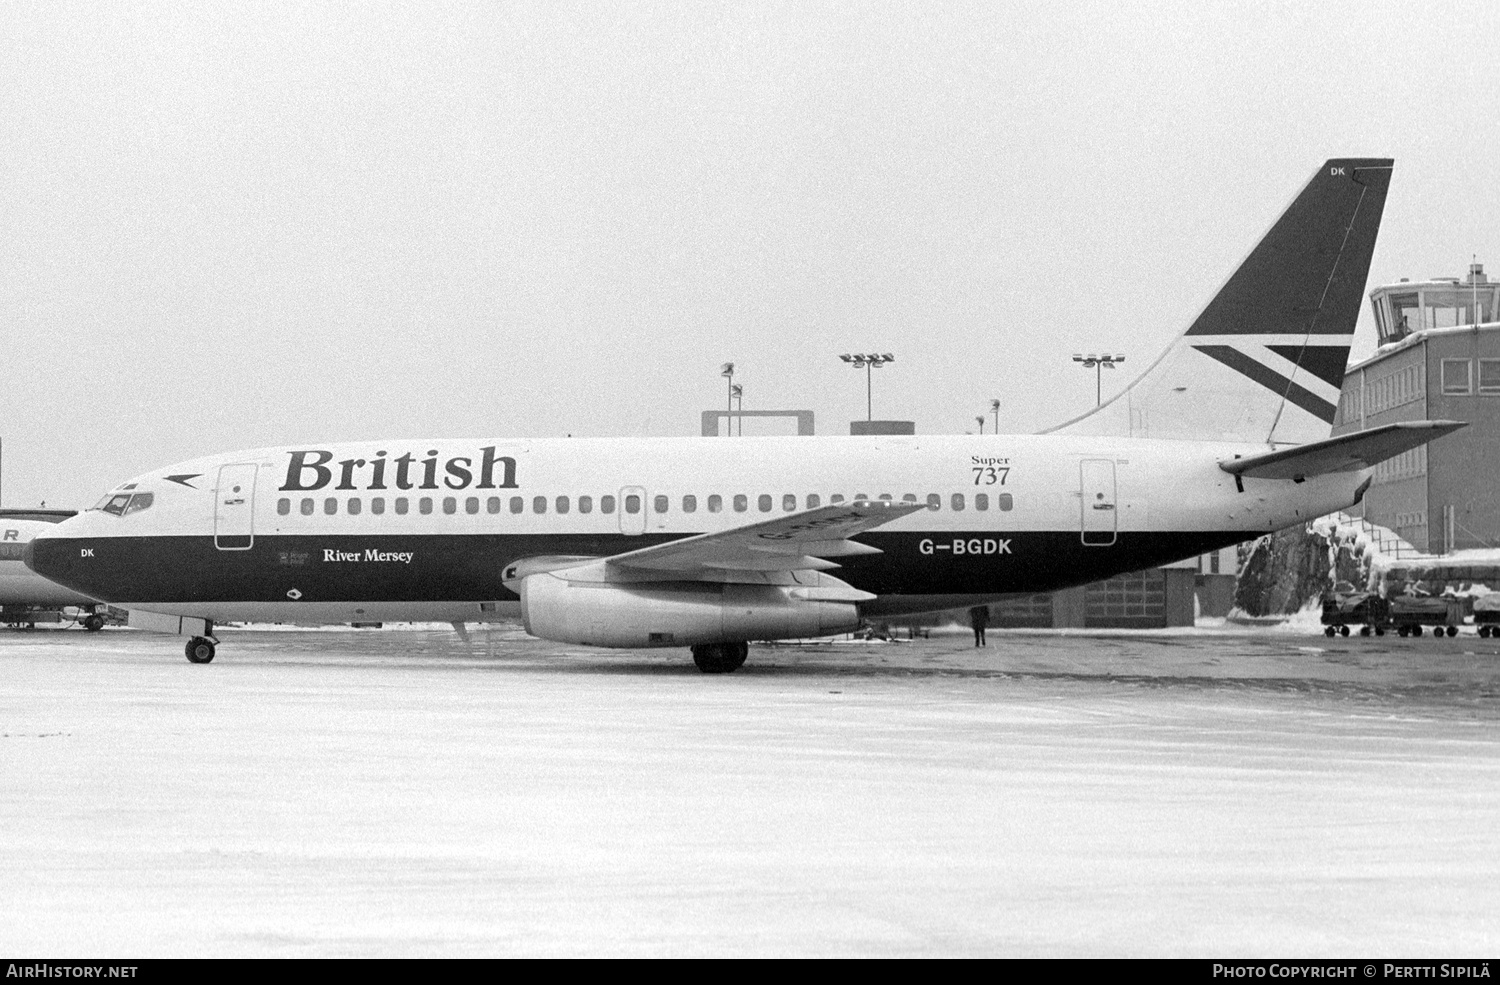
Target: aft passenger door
(234, 508)
(633, 510)
(1097, 481)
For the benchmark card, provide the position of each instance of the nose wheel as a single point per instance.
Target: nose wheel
(200, 650)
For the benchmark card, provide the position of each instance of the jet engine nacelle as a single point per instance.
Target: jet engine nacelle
(674, 613)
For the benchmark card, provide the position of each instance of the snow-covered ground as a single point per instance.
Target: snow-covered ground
(1220, 792)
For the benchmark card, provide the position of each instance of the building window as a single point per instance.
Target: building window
(283, 507)
(1489, 376)
(1456, 377)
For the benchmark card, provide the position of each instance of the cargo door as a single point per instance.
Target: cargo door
(633, 510)
(1100, 517)
(234, 508)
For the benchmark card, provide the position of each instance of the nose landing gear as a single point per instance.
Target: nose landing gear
(200, 650)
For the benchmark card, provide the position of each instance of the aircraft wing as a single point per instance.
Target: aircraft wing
(767, 552)
(1345, 453)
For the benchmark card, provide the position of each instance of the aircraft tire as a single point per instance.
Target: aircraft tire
(200, 650)
(1343, 630)
(717, 658)
(738, 653)
(1452, 630)
(93, 622)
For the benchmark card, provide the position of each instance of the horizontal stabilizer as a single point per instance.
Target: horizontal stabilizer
(1346, 453)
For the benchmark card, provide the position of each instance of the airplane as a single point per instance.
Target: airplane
(27, 598)
(707, 544)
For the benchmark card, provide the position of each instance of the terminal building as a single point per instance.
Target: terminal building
(1439, 359)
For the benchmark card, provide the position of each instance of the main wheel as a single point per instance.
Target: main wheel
(93, 622)
(719, 658)
(200, 650)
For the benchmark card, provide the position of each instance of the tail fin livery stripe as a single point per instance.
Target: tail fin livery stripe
(1271, 380)
(1325, 362)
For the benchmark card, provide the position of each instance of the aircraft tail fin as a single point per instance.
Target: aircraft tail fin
(1264, 361)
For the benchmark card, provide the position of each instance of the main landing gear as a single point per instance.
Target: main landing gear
(720, 658)
(200, 649)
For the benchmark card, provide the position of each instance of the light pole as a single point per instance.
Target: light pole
(727, 371)
(737, 391)
(1098, 364)
(868, 361)
(995, 406)
(980, 421)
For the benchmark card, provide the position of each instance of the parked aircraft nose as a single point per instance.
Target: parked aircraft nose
(55, 558)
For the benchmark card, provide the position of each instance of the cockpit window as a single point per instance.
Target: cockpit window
(116, 504)
(122, 502)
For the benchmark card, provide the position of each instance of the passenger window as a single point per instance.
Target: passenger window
(886, 497)
(981, 501)
(789, 502)
(909, 498)
(606, 504)
(402, 505)
(517, 504)
(377, 505)
(355, 506)
(836, 499)
(715, 503)
(934, 501)
(585, 504)
(958, 502)
(764, 502)
(471, 505)
(861, 497)
(539, 504)
(307, 507)
(330, 506)
(661, 504)
(563, 504)
(1005, 502)
(424, 505)
(283, 507)
(813, 501)
(492, 505)
(632, 503)
(741, 502)
(450, 505)
(690, 504)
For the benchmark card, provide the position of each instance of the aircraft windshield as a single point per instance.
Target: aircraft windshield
(122, 503)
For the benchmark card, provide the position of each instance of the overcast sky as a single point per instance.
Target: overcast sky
(232, 225)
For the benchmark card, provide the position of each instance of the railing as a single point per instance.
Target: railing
(1385, 540)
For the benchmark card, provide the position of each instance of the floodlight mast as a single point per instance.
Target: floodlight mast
(1098, 364)
(868, 361)
(727, 371)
